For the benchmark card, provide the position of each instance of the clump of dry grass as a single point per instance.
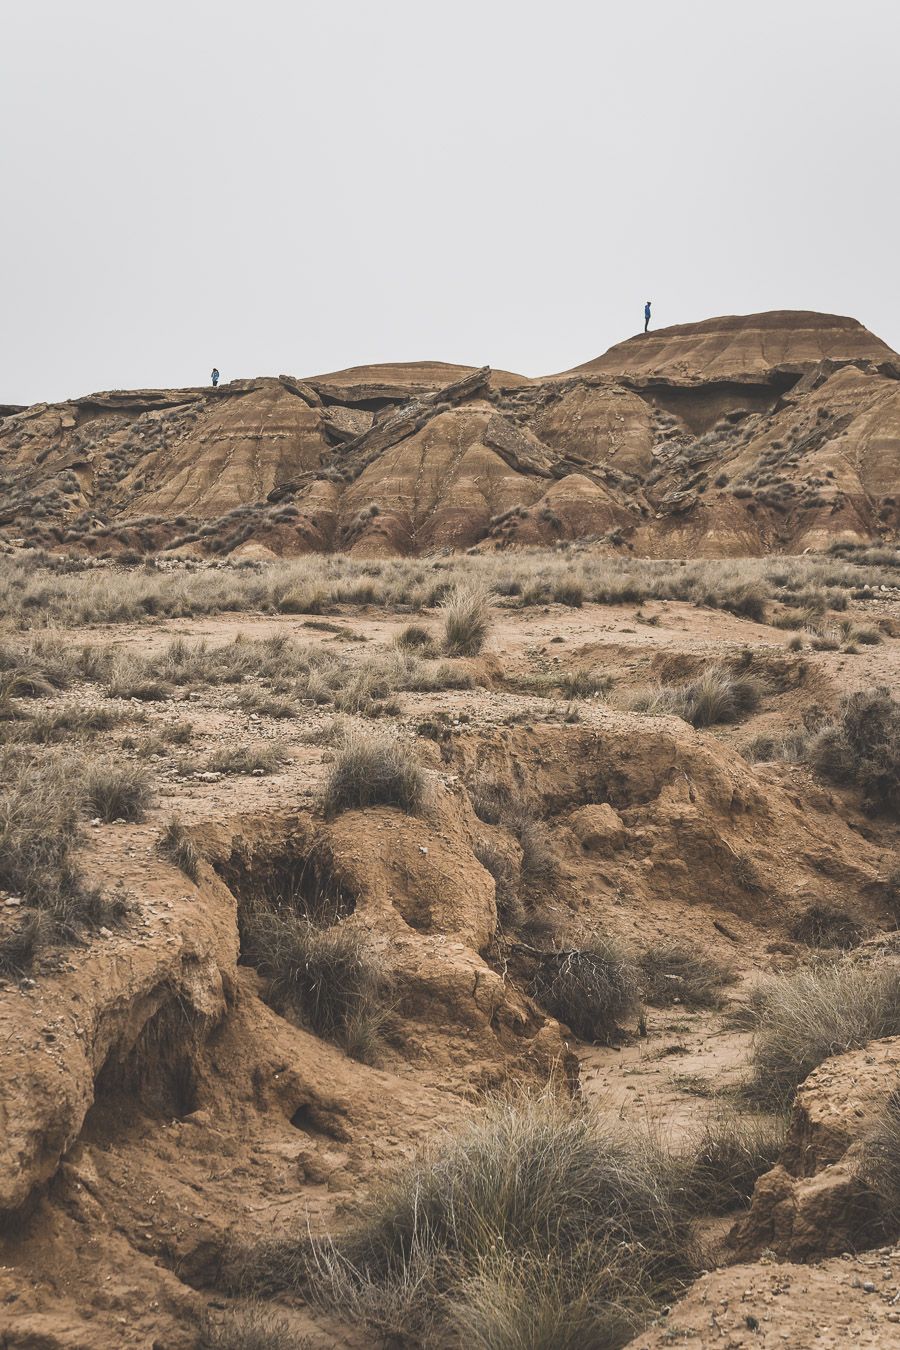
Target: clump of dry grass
(862, 747)
(676, 974)
(880, 1168)
(21, 944)
(466, 613)
(244, 759)
(805, 1017)
(42, 799)
(176, 844)
(374, 768)
(538, 1224)
(591, 987)
(327, 976)
(717, 695)
(826, 926)
(252, 1328)
(725, 1162)
(117, 792)
(510, 910)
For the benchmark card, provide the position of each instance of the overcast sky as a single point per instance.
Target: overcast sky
(302, 185)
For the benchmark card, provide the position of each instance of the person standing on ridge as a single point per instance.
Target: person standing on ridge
(215, 377)
(646, 316)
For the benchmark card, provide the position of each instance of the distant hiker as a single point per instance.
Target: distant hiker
(215, 374)
(646, 316)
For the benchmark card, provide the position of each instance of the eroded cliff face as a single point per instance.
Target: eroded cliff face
(740, 435)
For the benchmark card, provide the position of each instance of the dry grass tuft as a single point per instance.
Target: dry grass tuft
(805, 1017)
(674, 974)
(117, 792)
(881, 1159)
(537, 1225)
(466, 613)
(252, 1328)
(374, 768)
(176, 844)
(328, 977)
(862, 748)
(826, 926)
(732, 1152)
(717, 695)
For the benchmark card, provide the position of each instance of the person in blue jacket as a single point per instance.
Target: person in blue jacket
(215, 377)
(646, 316)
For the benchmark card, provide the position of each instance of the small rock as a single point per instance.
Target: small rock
(95, 823)
(868, 1287)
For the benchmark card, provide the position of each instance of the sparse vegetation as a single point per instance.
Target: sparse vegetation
(716, 695)
(325, 975)
(374, 768)
(591, 988)
(537, 1197)
(805, 1017)
(466, 620)
(176, 844)
(674, 974)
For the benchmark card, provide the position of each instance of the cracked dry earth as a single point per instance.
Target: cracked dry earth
(153, 1104)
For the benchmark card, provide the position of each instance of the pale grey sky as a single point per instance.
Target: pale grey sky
(299, 186)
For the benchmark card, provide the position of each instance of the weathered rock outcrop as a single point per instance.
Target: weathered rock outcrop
(814, 1202)
(738, 435)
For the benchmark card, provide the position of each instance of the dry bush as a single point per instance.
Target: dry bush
(584, 683)
(717, 695)
(826, 926)
(805, 1017)
(591, 988)
(466, 613)
(724, 1164)
(252, 1328)
(374, 768)
(675, 974)
(328, 977)
(176, 844)
(117, 792)
(244, 759)
(862, 747)
(536, 1197)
